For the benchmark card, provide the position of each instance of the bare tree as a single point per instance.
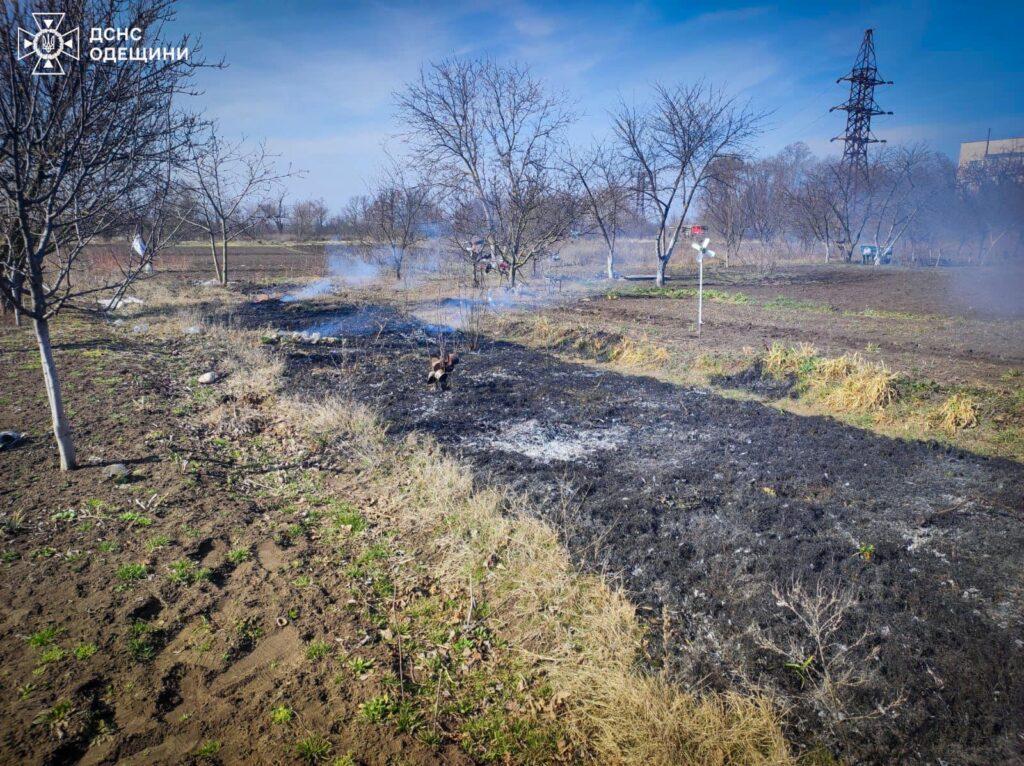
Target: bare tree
(489, 132)
(898, 187)
(395, 216)
(813, 215)
(78, 153)
(318, 214)
(605, 186)
(275, 212)
(993, 198)
(675, 144)
(767, 190)
(723, 205)
(226, 179)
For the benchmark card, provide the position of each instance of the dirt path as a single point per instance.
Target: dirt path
(703, 504)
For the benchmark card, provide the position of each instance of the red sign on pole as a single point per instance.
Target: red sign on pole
(696, 230)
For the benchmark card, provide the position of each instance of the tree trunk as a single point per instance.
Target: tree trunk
(61, 427)
(224, 254)
(216, 258)
(19, 287)
(659, 278)
(611, 262)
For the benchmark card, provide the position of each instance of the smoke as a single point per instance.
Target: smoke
(312, 290)
(346, 266)
(353, 266)
(991, 292)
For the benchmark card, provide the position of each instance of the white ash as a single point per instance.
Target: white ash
(546, 443)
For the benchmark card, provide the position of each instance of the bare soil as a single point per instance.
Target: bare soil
(949, 325)
(163, 668)
(701, 504)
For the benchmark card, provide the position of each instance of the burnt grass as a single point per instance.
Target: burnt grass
(701, 505)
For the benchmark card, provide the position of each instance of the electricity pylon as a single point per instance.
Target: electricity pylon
(861, 106)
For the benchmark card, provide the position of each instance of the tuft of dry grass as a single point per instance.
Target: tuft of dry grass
(845, 384)
(958, 412)
(781, 361)
(640, 353)
(865, 386)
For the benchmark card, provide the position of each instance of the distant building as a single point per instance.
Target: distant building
(991, 152)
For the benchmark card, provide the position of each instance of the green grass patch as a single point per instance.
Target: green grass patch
(132, 572)
(796, 304)
(676, 293)
(187, 572)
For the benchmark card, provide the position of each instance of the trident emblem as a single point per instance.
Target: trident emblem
(48, 43)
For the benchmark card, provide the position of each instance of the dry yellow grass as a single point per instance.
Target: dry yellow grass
(640, 353)
(780, 361)
(844, 384)
(958, 412)
(866, 386)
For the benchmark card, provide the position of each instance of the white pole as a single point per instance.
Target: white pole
(700, 294)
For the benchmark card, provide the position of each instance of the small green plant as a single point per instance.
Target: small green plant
(360, 665)
(57, 714)
(84, 651)
(313, 748)
(131, 572)
(375, 552)
(157, 542)
(344, 760)
(289, 534)
(302, 581)
(347, 517)
(142, 640)
(208, 749)
(376, 709)
(801, 669)
(44, 637)
(249, 630)
(238, 555)
(866, 551)
(281, 715)
(68, 515)
(317, 650)
(187, 572)
(135, 519)
(108, 546)
(50, 655)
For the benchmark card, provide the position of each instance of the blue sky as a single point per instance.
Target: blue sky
(316, 78)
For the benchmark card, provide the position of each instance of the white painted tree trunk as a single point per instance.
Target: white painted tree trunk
(659, 279)
(61, 427)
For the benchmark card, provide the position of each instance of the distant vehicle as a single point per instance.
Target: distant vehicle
(870, 254)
